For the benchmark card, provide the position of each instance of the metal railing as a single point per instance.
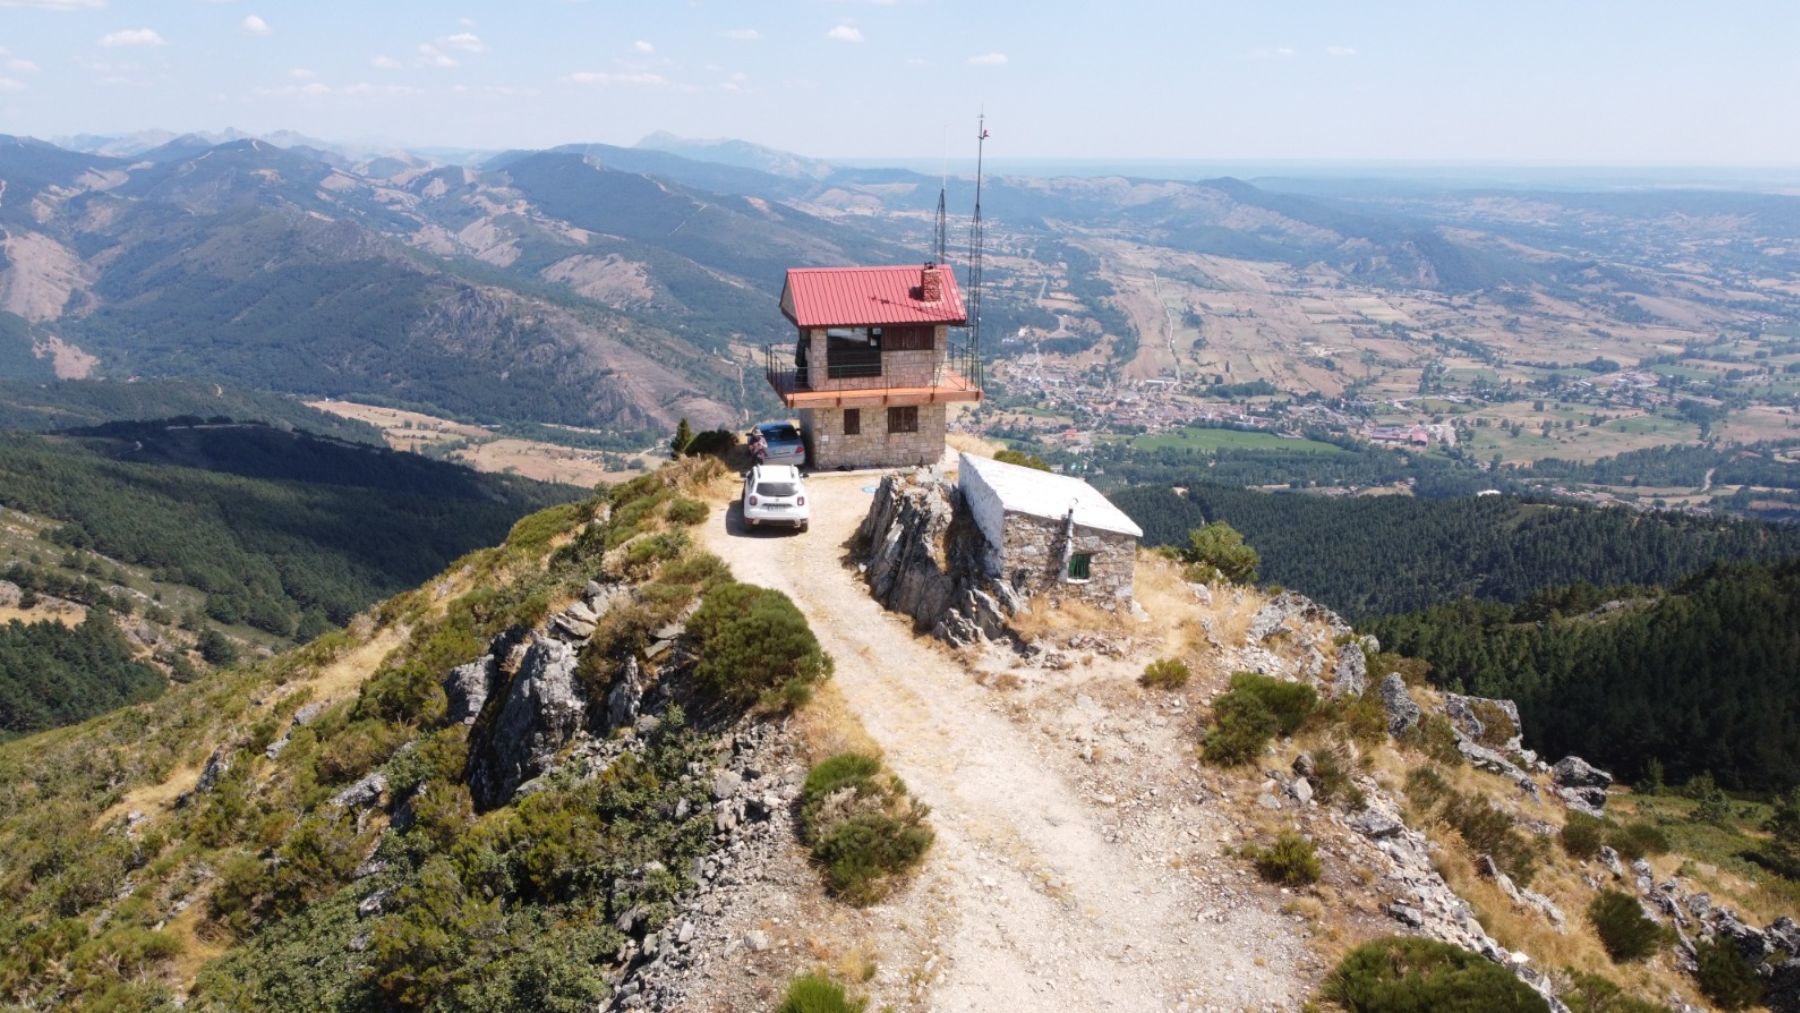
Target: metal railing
(958, 371)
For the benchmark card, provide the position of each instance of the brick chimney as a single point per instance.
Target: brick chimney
(931, 284)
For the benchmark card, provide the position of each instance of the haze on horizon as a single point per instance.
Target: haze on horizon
(1606, 83)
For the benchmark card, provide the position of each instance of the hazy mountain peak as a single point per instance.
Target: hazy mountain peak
(743, 154)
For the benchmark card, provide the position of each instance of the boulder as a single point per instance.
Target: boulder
(10, 593)
(1287, 611)
(1350, 677)
(626, 695)
(467, 688)
(365, 792)
(1464, 714)
(1575, 772)
(1402, 712)
(925, 558)
(544, 709)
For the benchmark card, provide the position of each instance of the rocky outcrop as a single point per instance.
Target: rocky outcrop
(1290, 610)
(543, 711)
(1580, 784)
(1465, 714)
(1402, 712)
(1350, 677)
(923, 558)
(467, 688)
(1423, 901)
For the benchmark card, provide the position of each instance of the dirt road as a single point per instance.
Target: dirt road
(1032, 903)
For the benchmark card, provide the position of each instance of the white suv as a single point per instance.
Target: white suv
(775, 494)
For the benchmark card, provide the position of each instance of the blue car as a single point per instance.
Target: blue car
(785, 444)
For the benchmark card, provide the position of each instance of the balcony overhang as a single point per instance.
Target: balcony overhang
(952, 388)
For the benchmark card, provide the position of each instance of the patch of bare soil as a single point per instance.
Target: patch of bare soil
(40, 276)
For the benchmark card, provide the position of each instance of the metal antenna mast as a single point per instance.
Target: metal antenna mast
(976, 240)
(940, 250)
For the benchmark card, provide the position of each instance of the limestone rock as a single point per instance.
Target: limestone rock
(1575, 772)
(1289, 609)
(1351, 675)
(1402, 712)
(365, 792)
(544, 709)
(467, 687)
(925, 559)
(1464, 717)
(626, 695)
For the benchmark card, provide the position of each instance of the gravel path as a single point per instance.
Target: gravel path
(1035, 905)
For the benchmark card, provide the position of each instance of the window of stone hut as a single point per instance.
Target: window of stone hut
(903, 420)
(853, 422)
(1078, 565)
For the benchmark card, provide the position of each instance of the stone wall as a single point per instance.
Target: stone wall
(874, 447)
(1030, 558)
(898, 369)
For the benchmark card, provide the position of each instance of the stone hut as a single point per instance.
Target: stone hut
(1049, 532)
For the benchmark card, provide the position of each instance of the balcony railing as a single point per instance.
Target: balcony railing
(792, 384)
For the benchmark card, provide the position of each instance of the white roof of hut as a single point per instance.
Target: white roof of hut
(1046, 494)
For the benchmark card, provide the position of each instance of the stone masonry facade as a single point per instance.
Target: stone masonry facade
(829, 447)
(1031, 560)
(920, 368)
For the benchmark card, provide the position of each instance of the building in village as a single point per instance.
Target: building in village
(870, 374)
(1050, 533)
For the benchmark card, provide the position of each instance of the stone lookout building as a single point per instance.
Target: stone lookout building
(870, 372)
(1049, 532)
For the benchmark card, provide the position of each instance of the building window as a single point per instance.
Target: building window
(852, 352)
(909, 339)
(853, 422)
(903, 420)
(1078, 565)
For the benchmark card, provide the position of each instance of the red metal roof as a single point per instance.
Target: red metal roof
(868, 297)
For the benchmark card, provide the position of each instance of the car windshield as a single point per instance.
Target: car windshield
(776, 490)
(780, 433)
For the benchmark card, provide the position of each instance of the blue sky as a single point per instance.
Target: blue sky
(1583, 83)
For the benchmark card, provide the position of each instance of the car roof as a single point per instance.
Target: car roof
(776, 472)
(766, 426)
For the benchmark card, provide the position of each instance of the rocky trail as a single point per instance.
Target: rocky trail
(1033, 897)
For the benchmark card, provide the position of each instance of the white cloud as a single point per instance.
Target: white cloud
(56, 5)
(132, 37)
(21, 66)
(432, 56)
(389, 90)
(845, 33)
(643, 47)
(301, 74)
(605, 77)
(1270, 53)
(11, 84)
(1339, 51)
(467, 42)
(257, 26)
(988, 60)
(743, 34)
(385, 62)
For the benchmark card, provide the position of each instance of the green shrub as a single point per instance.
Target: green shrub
(687, 510)
(815, 993)
(1583, 835)
(755, 645)
(1290, 702)
(863, 828)
(1590, 993)
(1218, 551)
(1240, 731)
(1485, 828)
(1727, 978)
(1291, 860)
(1165, 673)
(644, 554)
(1623, 929)
(1364, 717)
(1330, 776)
(1435, 736)
(711, 441)
(1410, 975)
(1637, 839)
(1497, 728)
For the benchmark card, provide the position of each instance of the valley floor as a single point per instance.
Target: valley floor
(1036, 895)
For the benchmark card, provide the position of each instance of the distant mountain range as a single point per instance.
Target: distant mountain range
(623, 287)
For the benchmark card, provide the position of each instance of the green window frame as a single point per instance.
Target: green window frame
(1079, 564)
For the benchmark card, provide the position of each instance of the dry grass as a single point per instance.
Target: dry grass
(828, 726)
(72, 615)
(196, 949)
(1045, 617)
